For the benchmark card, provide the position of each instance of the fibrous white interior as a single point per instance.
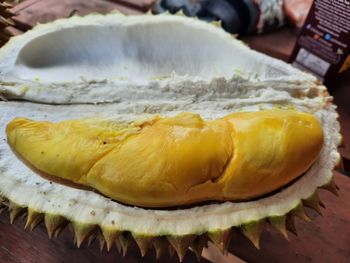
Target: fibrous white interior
(129, 54)
(127, 51)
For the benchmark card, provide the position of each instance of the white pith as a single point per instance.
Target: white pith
(80, 65)
(210, 92)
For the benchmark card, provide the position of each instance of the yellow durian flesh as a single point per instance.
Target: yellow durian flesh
(173, 161)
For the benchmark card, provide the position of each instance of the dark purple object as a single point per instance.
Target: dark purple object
(237, 16)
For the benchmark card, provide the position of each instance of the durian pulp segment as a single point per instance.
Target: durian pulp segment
(174, 161)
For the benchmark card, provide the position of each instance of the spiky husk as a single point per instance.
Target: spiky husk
(166, 244)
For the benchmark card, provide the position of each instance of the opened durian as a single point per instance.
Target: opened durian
(112, 121)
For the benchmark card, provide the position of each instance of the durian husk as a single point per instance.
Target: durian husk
(110, 230)
(91, 215)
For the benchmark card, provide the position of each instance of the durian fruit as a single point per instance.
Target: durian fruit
(5, 22)
(76, 83)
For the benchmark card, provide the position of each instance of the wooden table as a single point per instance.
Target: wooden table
(325, 239)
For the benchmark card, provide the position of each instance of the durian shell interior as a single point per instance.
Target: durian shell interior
(241, 80)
